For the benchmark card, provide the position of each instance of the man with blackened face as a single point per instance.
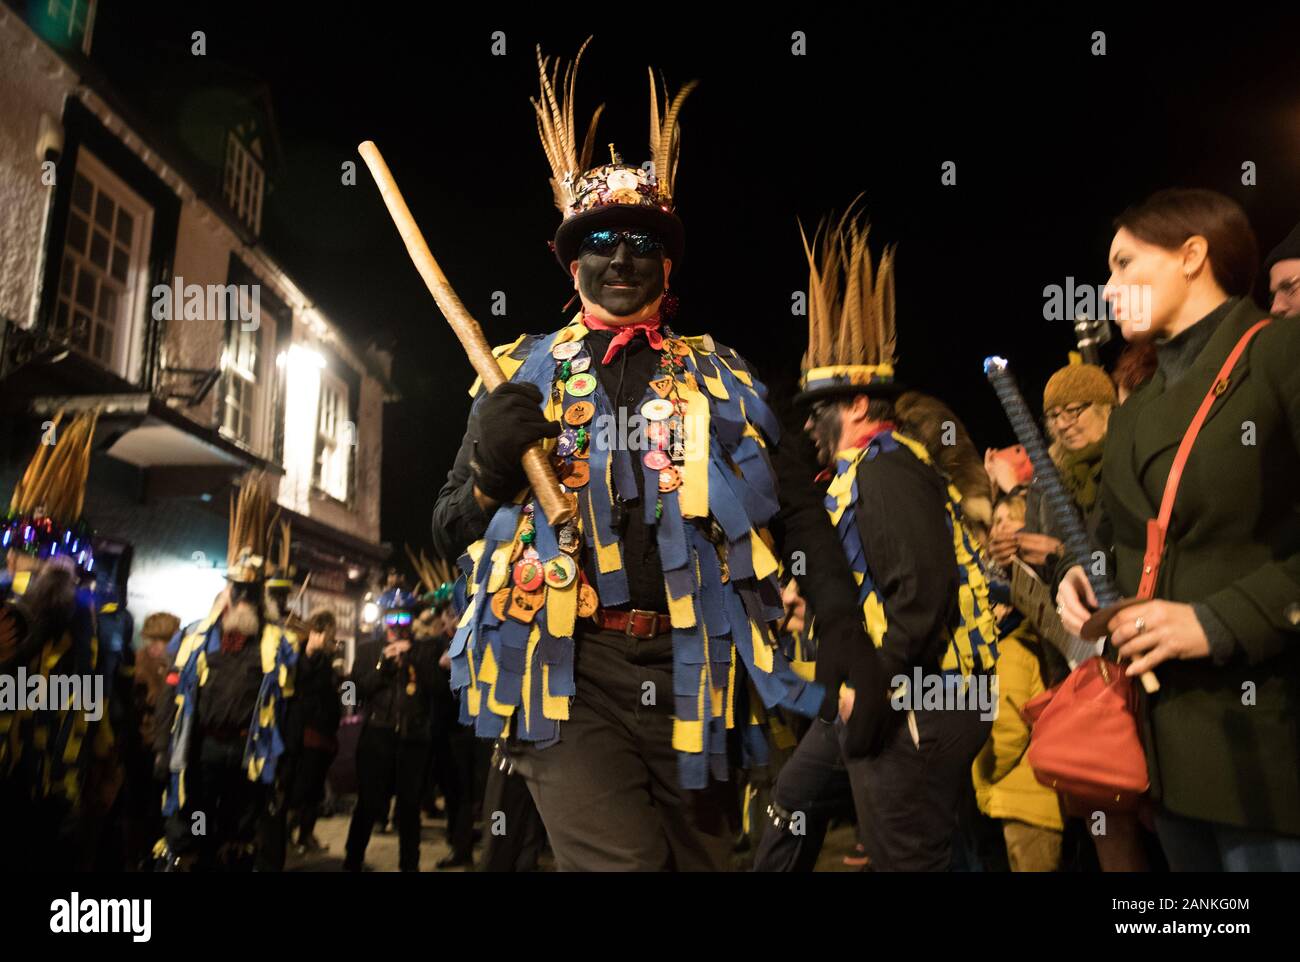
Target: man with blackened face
(608, 648)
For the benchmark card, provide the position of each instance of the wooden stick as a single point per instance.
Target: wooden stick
(546, 486)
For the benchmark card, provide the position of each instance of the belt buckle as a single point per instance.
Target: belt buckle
(632, 616)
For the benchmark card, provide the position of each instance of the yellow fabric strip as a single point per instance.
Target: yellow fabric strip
(681, 611)
(554, 707)
(688, 736)
(693, 495)
(609, 557)
(562, 610)
(764, 561)
(468, 615)
(731, 687)
(741, 374)
(533, 636)
(762, 653)
(508, 364)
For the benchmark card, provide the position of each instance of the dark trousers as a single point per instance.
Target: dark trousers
(231, 807)
(906, 797)
(817, 783)
(608, 791)
(453, 768)
(307, 790)
(513, 834)
(387, 763)
(914, 787)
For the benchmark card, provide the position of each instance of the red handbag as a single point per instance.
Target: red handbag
(1084, 738)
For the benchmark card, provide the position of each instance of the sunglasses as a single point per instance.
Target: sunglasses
(605, 242)
(397, 618)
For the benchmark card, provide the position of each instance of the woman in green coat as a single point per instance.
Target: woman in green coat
(1223, 633)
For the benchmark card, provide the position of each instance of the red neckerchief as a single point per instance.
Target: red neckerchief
(625, 333)
(863, 440)
(232, 642)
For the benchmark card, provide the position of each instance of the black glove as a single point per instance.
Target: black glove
(509, 420)
(846, 653)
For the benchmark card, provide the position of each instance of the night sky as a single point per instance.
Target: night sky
(1050, 144)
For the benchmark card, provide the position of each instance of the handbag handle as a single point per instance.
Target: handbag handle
(1158, 527)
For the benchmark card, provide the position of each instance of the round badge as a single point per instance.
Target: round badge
(579, 412)
(587, 601)
(499, 602)
(566, 350)
(659, 434)
(656, 409)
(670, 479)
(579, 364)
(566, 444)
(560, 571)
(528, 574)
(578, 474)
(580, 385)
(656, 460)
(680, 348)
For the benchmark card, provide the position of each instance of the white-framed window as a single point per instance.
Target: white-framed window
(242, 366)
(334, 438)
(244, 183)
(102, 277)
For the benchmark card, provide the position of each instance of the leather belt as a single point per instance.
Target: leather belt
(634, 622)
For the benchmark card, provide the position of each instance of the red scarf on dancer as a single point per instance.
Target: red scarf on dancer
(625, 333)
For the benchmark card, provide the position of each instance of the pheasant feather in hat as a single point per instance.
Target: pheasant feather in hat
(851, 331)
(613, 195)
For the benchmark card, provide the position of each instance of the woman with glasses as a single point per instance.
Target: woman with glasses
(1076, 410)
(1222, 633)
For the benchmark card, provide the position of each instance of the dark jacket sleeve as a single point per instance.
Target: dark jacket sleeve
(908, 545)
(164, 716)
(424, 656)
(803, 526)
(371, 670)
(458, 521)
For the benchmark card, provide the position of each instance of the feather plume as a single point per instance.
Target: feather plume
(248, 517)
(554, 107)
(431, 572)
(55, 479)
(665, 135)
(850, 301)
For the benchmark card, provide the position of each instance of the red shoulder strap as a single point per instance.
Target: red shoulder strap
(1158, 528)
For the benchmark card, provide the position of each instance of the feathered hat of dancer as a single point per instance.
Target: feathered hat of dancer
(436, 577)
(247, 543)
(851, 334)
(612, 196)
(44, 517)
